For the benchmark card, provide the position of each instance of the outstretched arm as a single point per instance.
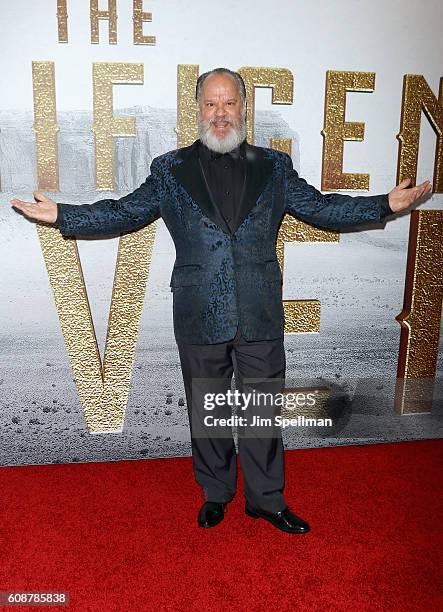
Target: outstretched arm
(339, 211)
(105, 217)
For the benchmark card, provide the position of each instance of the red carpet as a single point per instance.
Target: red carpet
(122, 536)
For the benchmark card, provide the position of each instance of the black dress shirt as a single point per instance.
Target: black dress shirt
(225, 177)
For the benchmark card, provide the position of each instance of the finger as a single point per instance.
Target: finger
(421, 187)
(21, 205)
(417, 192)
(39, 196)
(29, 209)
(404, 183)
(424, 184)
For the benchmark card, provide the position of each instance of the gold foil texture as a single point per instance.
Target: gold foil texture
(106, 126)
(282, 144)
(187, 75)
(319, 410)
(103, 389)
(418, 97)
(302, 316)
(62, 21)
(420, 318)
(110, 15)
(139, 16)
(336, 130)
(280, 80)
(45, 125)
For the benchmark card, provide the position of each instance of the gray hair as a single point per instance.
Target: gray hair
(235, 75)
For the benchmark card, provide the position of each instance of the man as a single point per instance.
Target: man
(222, 200)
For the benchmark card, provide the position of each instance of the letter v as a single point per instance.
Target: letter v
(103, 389)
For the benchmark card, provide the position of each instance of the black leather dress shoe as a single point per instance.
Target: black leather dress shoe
(211, 514)
(285, 520)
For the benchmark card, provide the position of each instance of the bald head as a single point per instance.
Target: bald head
(221, 71)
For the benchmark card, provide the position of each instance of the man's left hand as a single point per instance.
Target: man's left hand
(401, 197)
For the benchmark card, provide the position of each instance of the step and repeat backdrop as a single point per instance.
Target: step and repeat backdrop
(91, 91)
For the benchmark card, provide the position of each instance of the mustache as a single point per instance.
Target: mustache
(224, 119)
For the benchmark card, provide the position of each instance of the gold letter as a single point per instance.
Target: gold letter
(138, 18)
(45, 125)
(106, 126)
(418, 96)
(281, 82)
(62, 19)
(110, 15)
(301, 316)
(336, 129)
(420, 318)
(187, 75)
(103, 389)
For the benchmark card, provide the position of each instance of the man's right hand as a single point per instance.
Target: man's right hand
(45, 209)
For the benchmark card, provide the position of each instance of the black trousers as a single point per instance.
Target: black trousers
(214, 457)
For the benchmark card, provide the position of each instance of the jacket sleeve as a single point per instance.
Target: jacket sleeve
(114, 216)
(332, 210)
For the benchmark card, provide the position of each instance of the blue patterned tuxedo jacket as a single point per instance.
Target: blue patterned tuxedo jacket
(223, 277)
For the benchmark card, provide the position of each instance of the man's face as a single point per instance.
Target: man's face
(221, 113)
(220, 104)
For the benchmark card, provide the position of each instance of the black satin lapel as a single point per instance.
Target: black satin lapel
(258, 172)
(190, 176)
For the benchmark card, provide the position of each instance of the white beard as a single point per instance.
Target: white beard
(233, 138)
